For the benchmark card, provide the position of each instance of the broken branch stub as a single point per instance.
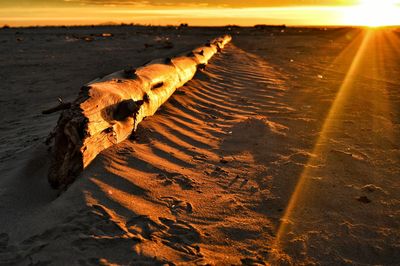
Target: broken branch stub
(109, 109)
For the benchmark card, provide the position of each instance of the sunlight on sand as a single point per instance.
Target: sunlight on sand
(368, 61)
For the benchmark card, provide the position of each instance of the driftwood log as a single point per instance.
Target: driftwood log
(109, 109)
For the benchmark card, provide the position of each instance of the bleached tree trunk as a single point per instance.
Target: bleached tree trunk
(108, 110)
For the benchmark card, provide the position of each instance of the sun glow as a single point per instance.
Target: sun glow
(369, 51)
(373, 13)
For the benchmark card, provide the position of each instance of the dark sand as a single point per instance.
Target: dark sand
(284, 151)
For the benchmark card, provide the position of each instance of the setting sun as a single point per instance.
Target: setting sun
(373, 13)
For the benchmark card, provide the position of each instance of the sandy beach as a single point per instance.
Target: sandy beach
(283, 151)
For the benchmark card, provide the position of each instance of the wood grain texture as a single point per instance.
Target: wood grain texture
(109, 109)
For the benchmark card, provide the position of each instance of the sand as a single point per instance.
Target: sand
(284, 151)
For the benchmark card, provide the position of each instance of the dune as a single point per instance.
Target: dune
(246, 164)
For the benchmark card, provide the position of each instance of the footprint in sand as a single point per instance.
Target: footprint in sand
(364, 199)
(177, 206)
(176, 234)
(181, 236)
(143, 225)
(218, 171)
(175, 178)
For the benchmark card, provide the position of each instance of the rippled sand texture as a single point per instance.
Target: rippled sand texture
(283, 151)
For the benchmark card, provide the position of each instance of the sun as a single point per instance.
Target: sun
(373, 13)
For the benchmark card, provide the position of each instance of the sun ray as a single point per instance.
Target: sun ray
(344, 94)
(393, 41)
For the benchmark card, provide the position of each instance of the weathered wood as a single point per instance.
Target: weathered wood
(60, 107)
(109, 109)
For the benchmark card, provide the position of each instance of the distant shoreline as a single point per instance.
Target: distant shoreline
(264, 26)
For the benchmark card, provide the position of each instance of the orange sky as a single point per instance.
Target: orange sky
(162, 12)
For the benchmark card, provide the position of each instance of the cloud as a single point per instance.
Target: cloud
(214, 3)
(109, 3)
(176, 3)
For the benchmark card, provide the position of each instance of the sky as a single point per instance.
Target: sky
(201, 13)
